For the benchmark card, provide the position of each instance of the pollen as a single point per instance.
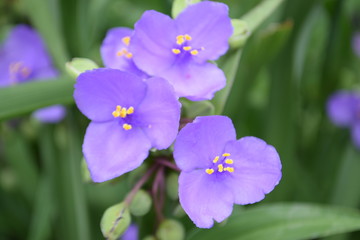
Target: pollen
(216, 159)
(229, 161)
(122, 112)
(180, 39)
(226, 154)
(127, 126)
(194, 52)
(176, 51)
(187, 48)
(116, 113)
(220, 168)
(122, 52)
(229, 169)
(126, 40)
(209, 171)
(187, 37)
(129, 55)
(130, 110)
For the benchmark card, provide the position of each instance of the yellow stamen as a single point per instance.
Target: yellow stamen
(229, 161)
(229, 169)
(116, 113)
(127, 126)
(220, 168)
(194, 52)
(180, 39)
(129, 55)
(216, 159)
(187, 48)
(176, 51)
(123, 112)
(122, 52)
(209, 171)
(130, 110)
(187, 37)
(126, 40)
(226, 154)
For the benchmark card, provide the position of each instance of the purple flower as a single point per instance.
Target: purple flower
(129, 116)
(179, 49)
(132, 233)
(343, 108)
(356, 43)
(218, 170)
(115, 51)
(23, 58)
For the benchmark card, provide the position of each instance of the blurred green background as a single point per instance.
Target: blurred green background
(288, 68)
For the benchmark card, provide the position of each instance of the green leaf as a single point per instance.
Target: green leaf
(79, 65)
(179, 5)
(27, 97)
(115, 221)
(284, 222)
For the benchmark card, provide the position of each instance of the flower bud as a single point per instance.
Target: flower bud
(79, 65)
(179, 5)
(241, 33)
(141, 203)
(172, 186)
(170, 230)
(115, 221)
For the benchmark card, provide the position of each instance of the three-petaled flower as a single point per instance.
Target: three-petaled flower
(343, 108)
(129, 116)
(178, 50)
(24, 58)
(218, 170)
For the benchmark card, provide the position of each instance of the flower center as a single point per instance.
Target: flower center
(224, 166)
(18, 68)
(184, 46)
(123, 112)
(124, 51)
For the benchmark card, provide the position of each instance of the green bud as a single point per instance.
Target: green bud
(241, 33)
(79, 65)
(85, 174)
(141, 203)
(149, 238)
(170, 230)
(194, 109)
(115, 221)
(172, 186)
(179, 211)
(179, 5)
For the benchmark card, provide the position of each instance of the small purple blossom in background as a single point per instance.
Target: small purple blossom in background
(178, 50)
(24, 58)
(356, 43)
(128, 117)
(132, 233)
(343, 108)
(115, 51)
(218, 171)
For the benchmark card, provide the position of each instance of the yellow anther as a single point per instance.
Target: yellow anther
(126, 40)
(216, 159)
(194, 52)
(229, 161)
(25, 72)
(130, 110)
(176, 51)
(127, 126)
(123, 112)
(129, 55)
(116, 113)
(187, 37)
(122, 52)
(226, 154)
(180, 39)
(220, 168)
(229, 169)
(187, 48)
(209, 171)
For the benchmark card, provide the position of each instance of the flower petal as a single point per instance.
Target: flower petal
(204, 198)
(355, 133)
(52, 114)
(199, 142)
(257, 169)
(160, 113)
(98, 92)
(209, 25)
(111, 151)
(151, 44)
(341, 108)
(112, 45)
(195, 81)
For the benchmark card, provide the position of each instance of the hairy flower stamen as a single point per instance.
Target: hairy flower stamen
(124, 52)
(220, 167)
(18, 67)
(122, 112)
(126, 40)
(127, 126)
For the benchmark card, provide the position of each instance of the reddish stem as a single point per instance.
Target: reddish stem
(168, 164)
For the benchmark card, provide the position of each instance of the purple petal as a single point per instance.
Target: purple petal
(195, 81)
(154, 36)
(160, 113)
(209, 25)
(342, 106)
(355, 133)
(132, 233)
(52, 114)
(204, 198)
(257, 169)
(199, 142)
(112, 45)
(111, 151)
(98, 92)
